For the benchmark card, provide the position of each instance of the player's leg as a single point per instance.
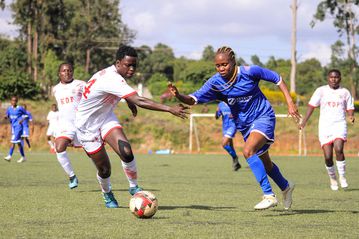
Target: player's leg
(227, 144)
(103, 166)
(49, 135)
(341, 164)
(11, 152)
(254, 142)
(329, 165)
(17, 140)
(285, 186)
(61, 144)
(118, 141)
(25, 136)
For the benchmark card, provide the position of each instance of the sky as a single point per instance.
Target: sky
(250, 27)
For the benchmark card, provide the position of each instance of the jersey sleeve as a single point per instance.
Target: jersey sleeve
(119, 87)
(349, 101)
(206, 93)
(261, 73)
(315, 99)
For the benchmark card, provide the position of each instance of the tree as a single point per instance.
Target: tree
(161, 60)
(345, 21)
(293, 70)
(256, 61)
(208, 53)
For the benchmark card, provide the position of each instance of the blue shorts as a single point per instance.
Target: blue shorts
(229, 131)
(25, 131)
(16, 133)
(264, 126)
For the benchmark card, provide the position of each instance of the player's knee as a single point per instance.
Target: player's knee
(248, 152)
(125, 151)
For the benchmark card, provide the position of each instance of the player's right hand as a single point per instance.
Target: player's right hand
(180, 111)
(173, 89)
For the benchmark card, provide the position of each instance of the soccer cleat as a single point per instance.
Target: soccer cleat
(287, 195)
(334, 184)
(22, 160)
(343, 182)
(135, 189)
(74, 182)
(236, 165)
(110, 200)
(8, 158)
(267, 202)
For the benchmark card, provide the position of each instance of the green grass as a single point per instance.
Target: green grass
(199, 197)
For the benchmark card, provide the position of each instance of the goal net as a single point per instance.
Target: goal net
(205, 130)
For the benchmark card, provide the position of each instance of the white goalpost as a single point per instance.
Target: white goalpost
(302, 146)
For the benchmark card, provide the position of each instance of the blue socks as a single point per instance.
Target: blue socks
(257, 167)
(230, 150)
(278, 177)
(11, 150)
(21, 149)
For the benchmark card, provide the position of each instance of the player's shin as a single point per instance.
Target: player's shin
(130, 169)
(257, 167)
(65, 163)
(21, 149)
(278, 178)
(230, 150)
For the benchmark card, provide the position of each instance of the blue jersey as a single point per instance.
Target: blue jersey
(15, 115)
(27, 118)
(244, 97)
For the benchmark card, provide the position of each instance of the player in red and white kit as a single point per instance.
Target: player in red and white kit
(334, 102)
(53, 123)
(96, 122)
(68, 94)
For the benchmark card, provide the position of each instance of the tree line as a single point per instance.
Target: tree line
(87, 33)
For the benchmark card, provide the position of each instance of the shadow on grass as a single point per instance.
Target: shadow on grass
(310, 211)
(196, 207)
(351, 189)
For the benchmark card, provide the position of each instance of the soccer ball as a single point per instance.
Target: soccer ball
(143, 204)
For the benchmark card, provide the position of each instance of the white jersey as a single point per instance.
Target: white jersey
(333, 106)
(101, 94)
(68, 97)
(53, 117)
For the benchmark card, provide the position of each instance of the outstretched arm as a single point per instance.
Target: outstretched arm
(292, 108)
(183, 98)
(310, 110)
(178, 110)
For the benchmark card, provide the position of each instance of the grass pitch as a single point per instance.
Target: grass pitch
(199, 197)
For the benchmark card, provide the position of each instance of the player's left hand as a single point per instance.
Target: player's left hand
(351, 119)
(293, 111)
(180, 111)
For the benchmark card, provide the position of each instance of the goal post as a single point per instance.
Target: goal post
(193, 132)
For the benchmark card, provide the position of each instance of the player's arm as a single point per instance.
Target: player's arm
(183, 98)
(218, 113)
(132, 107)
(310, 110)
(178, 110)
(292, 108)
(351, 116)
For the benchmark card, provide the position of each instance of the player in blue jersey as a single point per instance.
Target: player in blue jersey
(253, 115)
(26, 129)
(15, 114)
(229, 131)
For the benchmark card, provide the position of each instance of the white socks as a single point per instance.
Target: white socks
(341, 168)
(65, 163)
(130, 170)
(331, 172)
(105, 184)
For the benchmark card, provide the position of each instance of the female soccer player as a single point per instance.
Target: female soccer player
(253, 114)
(229, 131)
(334, 101)
(96, 122)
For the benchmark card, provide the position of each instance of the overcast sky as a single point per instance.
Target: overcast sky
(261, 27)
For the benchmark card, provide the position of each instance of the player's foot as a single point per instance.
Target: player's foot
(287, 195)
(236, 165)
(267, 202)
(343, 182)
(8, 158)
(110, 200)
(74, 182)
(334, 184)
(22, 160)
(135, 189)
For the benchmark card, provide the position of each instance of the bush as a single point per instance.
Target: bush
(277, 97)
(356, 106)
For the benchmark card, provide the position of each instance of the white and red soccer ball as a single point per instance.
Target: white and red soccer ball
(144, 204)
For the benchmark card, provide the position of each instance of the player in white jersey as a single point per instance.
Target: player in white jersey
(334, 102)
(96, 122)
(53, 123)
(68, 93)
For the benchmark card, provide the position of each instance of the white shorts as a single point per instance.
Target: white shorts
(328, 134)
(67, 130)
(51, 131)
(93, 141)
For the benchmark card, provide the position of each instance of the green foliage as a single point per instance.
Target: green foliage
(208, 53)
(276, 97)
(356, 106)
(256, 61)
(157, 84)
(198, 72)
(310, 75)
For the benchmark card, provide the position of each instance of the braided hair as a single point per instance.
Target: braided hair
(227, 50)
